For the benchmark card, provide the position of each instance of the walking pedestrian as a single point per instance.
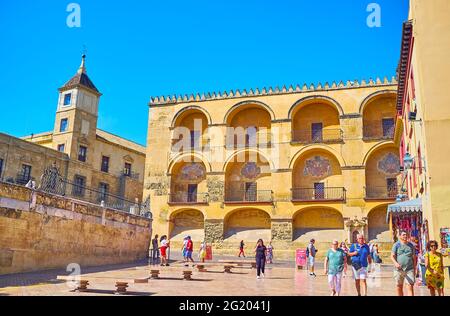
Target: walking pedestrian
(405, 264)
(183, 250)
(376, 258)
(165, 244)
(270, 253)
(202, 252)
(344, 248)
(189, 251)
(360, 257)
(311, 254)
(335, 263)
(434, 274)
(422, 267)
(155, 250)
(261, 253)
(241, 249)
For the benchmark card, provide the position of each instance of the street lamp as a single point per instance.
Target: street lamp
(408, 161)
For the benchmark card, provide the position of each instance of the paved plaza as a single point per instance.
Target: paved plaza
(281, 279)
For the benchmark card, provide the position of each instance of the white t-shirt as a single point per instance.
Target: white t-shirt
(164, 243)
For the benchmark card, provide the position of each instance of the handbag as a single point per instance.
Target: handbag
(356, 264)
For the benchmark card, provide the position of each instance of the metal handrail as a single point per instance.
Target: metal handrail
(183, 197)
(249, 196)
(381, 192)
(312, 194)
(305, 136)
(374, 130)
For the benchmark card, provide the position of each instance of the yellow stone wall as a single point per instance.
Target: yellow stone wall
(430, 66)
(283, 111)
(40, 231)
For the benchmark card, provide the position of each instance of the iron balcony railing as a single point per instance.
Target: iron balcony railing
(132, 175)
(22, 179)
(259, 139)
(307, 136)
(198, 144)
(375, 130)
(249, 196)
(382, 193)
(322, 194)
(188, 198)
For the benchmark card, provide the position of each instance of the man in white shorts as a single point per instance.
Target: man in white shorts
(360, 255)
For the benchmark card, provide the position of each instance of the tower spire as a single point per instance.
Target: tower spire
(82, 69)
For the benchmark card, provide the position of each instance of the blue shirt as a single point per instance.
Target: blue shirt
(363, 254)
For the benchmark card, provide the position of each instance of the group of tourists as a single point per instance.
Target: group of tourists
(405, 259)
(268, 253)
(361, 256)
(162, 249)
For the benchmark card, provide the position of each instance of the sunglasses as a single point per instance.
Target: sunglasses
(433, 246)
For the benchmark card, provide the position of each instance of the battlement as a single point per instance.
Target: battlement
(232, 94)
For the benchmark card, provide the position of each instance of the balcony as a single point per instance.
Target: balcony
(260, 139)
(130, 174)
(22, 179)
(381, 193)
(249, 197)
(306, 136)
(187, 198)
(376, 130)
(318, 195)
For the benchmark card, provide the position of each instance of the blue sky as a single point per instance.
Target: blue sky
(138, 49)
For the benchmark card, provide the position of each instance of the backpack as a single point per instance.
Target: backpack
(307, 251)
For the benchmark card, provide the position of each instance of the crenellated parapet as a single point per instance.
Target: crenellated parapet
(174, 99)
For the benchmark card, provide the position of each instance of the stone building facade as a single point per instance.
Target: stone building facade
(284, 164)
(97, 165)
(424, 113)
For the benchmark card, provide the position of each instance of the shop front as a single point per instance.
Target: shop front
(407, 216)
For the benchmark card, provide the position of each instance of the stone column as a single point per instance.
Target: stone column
(282, 230)
(214, 230)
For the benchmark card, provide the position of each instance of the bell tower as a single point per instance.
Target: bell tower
(76, 117)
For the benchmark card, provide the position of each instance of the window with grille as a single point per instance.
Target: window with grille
(67, 98)
(127, 169)
(79, 186)
(64, 124)
(103, 192)
(192, 193)
(250, 191)
(388, 127)
(105, 164)
(61, 147)
(25, 174)
(82, 153)
(316, 132)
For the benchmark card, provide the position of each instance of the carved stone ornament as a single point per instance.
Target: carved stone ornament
(389, 164)
(250, 170)
(192, 172)
(317, 166)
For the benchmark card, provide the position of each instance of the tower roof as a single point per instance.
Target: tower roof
(80, 79)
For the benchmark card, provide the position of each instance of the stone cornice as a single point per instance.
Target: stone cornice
(234, 94)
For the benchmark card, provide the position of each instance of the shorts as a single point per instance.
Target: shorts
(311, 260)
(163, 251)
(184, 252)
(400, 276)
(361, 274)
(188, 254)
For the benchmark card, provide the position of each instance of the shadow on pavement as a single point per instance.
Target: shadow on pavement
(49, 276)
